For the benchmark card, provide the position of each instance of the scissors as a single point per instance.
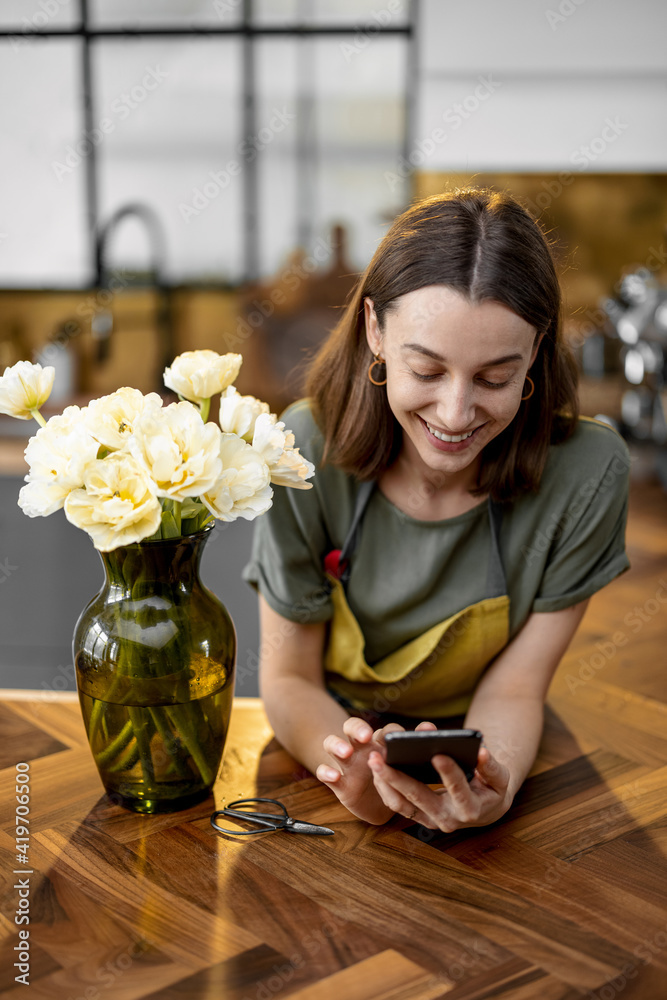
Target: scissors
(265, 821)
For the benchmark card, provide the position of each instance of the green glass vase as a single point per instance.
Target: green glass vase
(155, 655)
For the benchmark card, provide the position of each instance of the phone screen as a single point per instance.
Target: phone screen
(412, 752)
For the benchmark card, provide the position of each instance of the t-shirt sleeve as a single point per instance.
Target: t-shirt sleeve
(290, 541)
(588, 547)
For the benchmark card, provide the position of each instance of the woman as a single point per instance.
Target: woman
(476, 514)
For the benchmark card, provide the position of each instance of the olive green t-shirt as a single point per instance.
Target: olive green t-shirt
(558, 546)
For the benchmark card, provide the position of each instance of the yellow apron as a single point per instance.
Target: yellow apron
(436, 673)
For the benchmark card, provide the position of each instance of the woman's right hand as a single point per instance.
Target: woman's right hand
(352, 779)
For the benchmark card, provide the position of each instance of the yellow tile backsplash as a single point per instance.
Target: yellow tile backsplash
(29, 320)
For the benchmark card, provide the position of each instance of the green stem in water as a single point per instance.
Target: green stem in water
(38, 417)
(139, 726)
(181, 717)
(105, 756)
(169, 741)
(127, 759)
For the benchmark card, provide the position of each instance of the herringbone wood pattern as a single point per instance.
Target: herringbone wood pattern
(564, 898)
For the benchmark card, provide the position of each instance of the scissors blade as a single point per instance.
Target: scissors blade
(298, 826)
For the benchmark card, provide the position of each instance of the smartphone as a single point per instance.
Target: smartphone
(411, 752)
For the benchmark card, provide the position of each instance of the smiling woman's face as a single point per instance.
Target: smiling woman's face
(455, 373)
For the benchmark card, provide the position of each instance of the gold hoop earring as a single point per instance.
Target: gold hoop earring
(376, 361)
(532, 387)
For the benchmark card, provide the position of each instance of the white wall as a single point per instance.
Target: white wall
(537, 84)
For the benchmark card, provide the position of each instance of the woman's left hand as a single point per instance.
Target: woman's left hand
(458, 804)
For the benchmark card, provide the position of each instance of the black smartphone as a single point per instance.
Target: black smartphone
(411, 752)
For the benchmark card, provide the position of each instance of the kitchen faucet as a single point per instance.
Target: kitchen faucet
(102, 321)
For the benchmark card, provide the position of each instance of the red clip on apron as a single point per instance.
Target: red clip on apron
(436, 673)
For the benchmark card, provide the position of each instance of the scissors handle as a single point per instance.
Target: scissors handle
(269, 821)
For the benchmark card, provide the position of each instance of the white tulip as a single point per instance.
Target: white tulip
(178, 450)
(198, 375)
(25, 387)
(111, 419)
(243, 489)
(238, 413)
(58, 456)
(276, 446)
(118, 505)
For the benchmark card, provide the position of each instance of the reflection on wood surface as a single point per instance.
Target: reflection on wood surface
(564, 898)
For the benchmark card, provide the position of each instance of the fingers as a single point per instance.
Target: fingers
(379, 734)
(454, 780)
(327, 775)
(337, 747)
(358, 730)
(491, 771)
(358, 735)
(404, 795)
(341, 750)
(448, 809)
(426, 725)
(465, 804)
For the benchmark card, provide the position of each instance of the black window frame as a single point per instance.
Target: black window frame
(248, 30)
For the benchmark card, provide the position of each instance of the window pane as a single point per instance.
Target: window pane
(173, 112)
(362, 13)
(42, 221)
(29, 15)
(165, 13)
(339, 160)
(360, 133)
(277, 64)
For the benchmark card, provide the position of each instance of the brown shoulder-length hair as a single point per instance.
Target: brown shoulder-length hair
(484, 245)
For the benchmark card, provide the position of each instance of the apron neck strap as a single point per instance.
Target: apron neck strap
(496, 582)
(364, 494)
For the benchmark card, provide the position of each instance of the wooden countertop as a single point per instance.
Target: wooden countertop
(564, 898)
(566, 894)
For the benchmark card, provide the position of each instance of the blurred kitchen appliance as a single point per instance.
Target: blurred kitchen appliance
(639, 318)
